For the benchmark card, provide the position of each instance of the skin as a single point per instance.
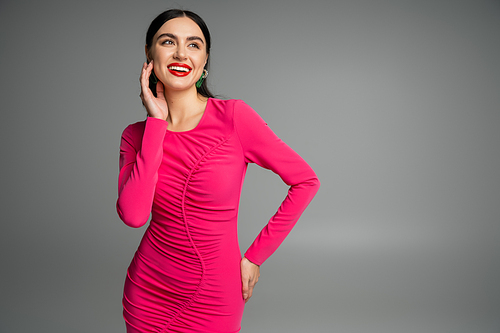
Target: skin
(177, 100)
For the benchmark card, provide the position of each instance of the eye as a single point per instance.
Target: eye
(168, 42)
(195, 45)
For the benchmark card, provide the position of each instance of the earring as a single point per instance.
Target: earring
(203, 77)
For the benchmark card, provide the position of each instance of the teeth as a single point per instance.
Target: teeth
(180, 69)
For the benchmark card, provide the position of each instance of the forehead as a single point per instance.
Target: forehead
(181, 27)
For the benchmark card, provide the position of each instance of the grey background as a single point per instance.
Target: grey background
(394, 103)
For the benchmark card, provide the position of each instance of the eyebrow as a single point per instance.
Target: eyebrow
(167, 34)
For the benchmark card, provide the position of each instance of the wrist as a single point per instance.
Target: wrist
(251, 261)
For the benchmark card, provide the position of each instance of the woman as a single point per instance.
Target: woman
(185, 166)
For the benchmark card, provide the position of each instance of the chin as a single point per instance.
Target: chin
(177, 86)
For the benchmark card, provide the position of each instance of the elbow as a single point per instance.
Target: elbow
(310, 183)
(131, 219)
(313, 183)
(308, 187)
(134, 223)
(312, 186)
(318, 183)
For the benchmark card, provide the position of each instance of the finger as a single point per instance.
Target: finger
(146, 93)
(142, 79)
(251, 284)
(245, 288)
(143, 70)
(250, 292)
(160, 89)
(145, 73)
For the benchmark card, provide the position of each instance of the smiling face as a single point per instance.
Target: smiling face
(179, 53)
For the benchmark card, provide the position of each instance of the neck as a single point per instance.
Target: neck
(184, 105)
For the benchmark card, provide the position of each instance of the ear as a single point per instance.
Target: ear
(206, 60)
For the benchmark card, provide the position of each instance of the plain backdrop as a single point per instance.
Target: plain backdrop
(394, 103)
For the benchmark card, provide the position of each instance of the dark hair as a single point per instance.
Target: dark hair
(159, 21)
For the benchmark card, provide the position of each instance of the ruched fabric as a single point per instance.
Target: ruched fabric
(185, 275)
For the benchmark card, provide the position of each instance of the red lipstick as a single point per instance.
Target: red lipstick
(179, 69)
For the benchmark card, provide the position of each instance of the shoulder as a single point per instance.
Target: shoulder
(245, 115)
(234, 108)
(133, 133)
(135, 128)
(228, 103)
(223, 106)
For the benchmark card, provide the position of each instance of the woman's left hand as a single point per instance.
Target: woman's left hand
(250, 273)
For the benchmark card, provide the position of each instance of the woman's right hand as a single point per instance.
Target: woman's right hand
(155, 106)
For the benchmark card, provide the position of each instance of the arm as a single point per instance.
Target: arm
(140, 158)
(141, 151)
(260, 145)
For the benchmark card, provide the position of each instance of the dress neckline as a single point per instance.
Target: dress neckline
(199, 123)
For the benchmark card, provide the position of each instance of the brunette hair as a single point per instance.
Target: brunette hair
(160, 20)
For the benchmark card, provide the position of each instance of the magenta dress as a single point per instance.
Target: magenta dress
(185, 275)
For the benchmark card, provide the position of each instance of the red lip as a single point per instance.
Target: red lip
(176, 73)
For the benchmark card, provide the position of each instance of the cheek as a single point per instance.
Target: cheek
(161, 56)
(160, 62)
(199, 68)
(201, 59)
(158, 57)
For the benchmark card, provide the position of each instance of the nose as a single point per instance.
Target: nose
(180, 53)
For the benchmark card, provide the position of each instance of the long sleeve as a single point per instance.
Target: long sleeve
(141, 151)
(261, 146)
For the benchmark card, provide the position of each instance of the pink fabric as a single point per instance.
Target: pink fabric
(185, 275)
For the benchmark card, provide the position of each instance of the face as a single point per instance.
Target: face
(179, 53)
